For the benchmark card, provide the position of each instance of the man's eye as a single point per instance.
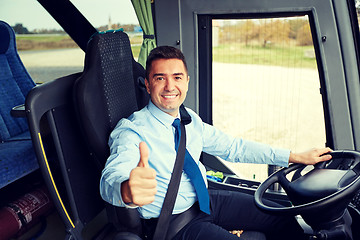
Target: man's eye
(178, 78)
(159, 78)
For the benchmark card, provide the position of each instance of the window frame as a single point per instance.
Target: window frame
(205, 63)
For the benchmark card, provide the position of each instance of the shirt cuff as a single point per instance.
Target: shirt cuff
(130, 205)
(282, 157)
(111, 192)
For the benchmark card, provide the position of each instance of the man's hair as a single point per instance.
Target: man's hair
(164, 52)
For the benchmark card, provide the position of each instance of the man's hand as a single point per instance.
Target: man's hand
(140, 189)
(311, 157)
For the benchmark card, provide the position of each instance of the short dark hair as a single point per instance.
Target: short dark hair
(164, 52)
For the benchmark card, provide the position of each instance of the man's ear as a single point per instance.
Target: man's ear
(147, 85)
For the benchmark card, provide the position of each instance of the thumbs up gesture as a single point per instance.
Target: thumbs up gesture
(140, 189)
(144, 155)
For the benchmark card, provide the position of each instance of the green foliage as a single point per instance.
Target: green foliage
(135, 50)
(288, 56)
(20, 29)
(272, 41)
(42, 38)
(265, 31)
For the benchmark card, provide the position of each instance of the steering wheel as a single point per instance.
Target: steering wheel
(325, 191)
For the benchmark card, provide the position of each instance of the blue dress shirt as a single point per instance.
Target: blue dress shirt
(154, 127)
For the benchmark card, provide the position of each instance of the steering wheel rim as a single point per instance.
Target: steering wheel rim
(280, 177)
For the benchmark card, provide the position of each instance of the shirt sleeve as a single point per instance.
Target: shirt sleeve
(234, 149)
(124, 156)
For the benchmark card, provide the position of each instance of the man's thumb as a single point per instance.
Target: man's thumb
(144, 155)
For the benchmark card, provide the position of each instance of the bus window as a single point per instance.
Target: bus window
(116, 15)
(47, 51)
(266, 85)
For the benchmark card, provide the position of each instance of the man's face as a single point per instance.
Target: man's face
(168, 84)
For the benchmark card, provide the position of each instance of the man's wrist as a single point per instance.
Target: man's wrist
(125, 192)
(291, 157)
(294, 158)
(126, 195)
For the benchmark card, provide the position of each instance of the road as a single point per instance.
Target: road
(43, 66)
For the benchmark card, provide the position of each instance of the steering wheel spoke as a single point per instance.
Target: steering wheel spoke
(281, 175)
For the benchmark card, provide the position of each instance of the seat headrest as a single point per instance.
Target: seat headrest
(105, 92)
(6, 33)
(109, 64)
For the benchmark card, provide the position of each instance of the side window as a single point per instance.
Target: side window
(115, 15)
(47, 51)
(266, 85)
(49, 56)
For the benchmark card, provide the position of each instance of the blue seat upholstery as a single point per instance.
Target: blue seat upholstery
(17, 157)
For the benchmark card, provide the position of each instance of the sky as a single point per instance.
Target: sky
(33, 16)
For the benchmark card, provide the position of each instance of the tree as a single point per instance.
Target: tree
(20, 29)
(249, 31)
(303, 37)
(296, 25)
(273, 31)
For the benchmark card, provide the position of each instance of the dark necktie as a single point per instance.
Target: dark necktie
(193, 171)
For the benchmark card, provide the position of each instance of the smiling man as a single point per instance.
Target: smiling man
(167, 84)
(143, 152)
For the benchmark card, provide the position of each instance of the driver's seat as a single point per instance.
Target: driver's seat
(111, 87)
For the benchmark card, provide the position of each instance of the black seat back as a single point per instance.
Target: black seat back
(107, 90)
(110, 88)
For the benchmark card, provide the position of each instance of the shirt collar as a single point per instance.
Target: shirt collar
(161, 116)
(167, 119)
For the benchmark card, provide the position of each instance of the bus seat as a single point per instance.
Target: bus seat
(71, 178)
(17, 157)
(111, 87)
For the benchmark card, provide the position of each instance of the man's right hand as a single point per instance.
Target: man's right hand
(140, 189)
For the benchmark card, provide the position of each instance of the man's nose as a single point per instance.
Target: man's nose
(169, 84)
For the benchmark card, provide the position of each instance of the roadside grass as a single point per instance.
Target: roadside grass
(42, 38)
(135, 50)
(286, 56)
(54, 41)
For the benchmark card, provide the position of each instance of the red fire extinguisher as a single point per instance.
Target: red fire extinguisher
(17, 216)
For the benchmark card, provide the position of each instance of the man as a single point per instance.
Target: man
(143, 153)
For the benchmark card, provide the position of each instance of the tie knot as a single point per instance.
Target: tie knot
(176, 123)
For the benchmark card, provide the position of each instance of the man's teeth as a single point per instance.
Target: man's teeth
(169, 96)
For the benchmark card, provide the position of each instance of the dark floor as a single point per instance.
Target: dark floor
(55, 229)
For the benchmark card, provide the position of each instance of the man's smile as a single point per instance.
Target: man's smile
(172, 96)
(168, 84)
